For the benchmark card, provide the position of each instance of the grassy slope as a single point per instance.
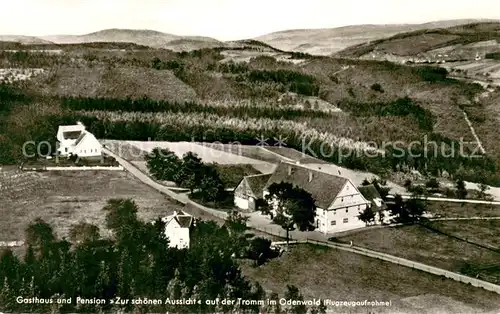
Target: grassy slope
(423, 245)
(327, 41)
(118, 82)
(65, 198)
(421, 41)
(338, 275)
(201, 76)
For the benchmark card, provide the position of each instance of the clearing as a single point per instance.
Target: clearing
(457, 210)
(338, 275)
(64, 198)
(207, 154)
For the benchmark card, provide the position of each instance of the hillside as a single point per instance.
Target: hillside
(24, 39)
(345, 103)
(331, 40)
(457, 43)
(149, 38)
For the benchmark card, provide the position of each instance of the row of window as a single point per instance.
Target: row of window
(334, 222)
(347, 210)
(90, 151)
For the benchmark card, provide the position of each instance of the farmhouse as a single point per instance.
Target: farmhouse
(338, 201)
(76, 140)
(249, 191)
(177, 227)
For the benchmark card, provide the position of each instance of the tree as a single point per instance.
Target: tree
(259, 249)
(367, 216)
(410, 211)
(377, 87)
(482, 191)
(211, 186)
(460, 189)
(320, 309)
(433, 185)
(83, 231)
(294, 294)
(408, 185)
(163, 164)
(189, 174)
(292, 207)
(40, 236)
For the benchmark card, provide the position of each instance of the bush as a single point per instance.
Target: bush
(377, 87)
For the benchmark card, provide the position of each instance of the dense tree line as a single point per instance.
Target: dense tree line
(400, 108)
(189, 172)
(477, 169)
(29, 59)
(493, 55)
(149, 105)
(294, 81)
(136, 262)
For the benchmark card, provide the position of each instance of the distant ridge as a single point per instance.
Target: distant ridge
(25, 40)
(144, 37)
(326, 41)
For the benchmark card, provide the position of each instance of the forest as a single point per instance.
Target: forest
(135, 263)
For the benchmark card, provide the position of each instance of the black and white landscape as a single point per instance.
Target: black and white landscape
(216, 158)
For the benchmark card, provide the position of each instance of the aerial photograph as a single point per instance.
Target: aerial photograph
(264, 157)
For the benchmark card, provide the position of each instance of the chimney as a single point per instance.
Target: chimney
(310, 176)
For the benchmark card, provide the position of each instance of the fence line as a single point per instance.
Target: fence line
(412, 264)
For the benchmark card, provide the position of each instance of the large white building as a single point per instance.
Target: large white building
(76, 140)
(177, 227)
(338, 201)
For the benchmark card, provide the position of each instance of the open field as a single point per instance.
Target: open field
(429, 247)
(66, 198)
(339, 275)
(484, 232)
(207, 154)
(457, 210)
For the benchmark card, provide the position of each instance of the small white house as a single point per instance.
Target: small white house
(76, 140)
(177, 227)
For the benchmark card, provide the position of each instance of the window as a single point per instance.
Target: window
(347, 210)
(346, 220)
(342, 199)
(333, 222)
(359, 207)
(66, 149)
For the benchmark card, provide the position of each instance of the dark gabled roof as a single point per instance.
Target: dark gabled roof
(184, 221)
(369, 192)
(72, 135)
(80, 138)
(323, 187)
(257, 183)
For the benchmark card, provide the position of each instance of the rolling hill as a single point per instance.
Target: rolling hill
(330, 40)
(149, 38)
(26, 40)
(456, 43)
